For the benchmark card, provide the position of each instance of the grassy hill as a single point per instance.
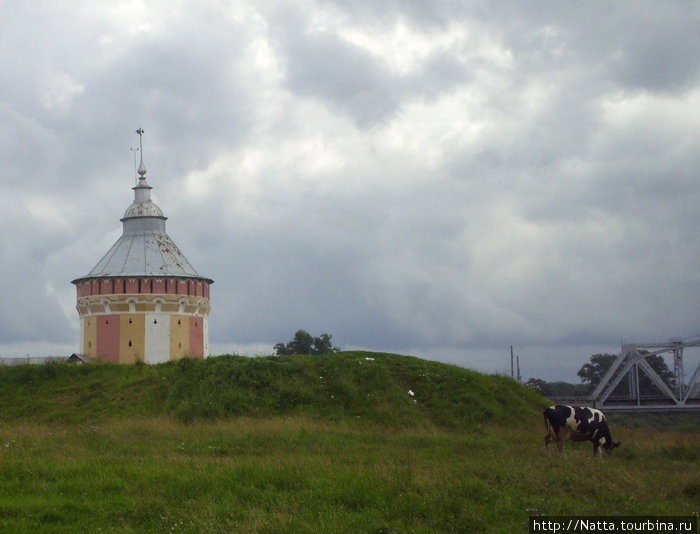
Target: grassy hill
(349, 442)
(379, 388)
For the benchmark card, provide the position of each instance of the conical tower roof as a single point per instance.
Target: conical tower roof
(144, 249)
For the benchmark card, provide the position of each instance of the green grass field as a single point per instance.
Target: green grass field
(310, 444)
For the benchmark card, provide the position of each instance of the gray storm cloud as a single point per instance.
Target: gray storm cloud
(436, 179)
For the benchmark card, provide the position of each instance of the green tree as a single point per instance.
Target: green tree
(323, 345)
(556, 389)
(305, 343)
(592, 373)
(538, 385)
(658, 363)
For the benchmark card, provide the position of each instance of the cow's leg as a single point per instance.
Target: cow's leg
(560, 446)
(597, 449)
(547, 441)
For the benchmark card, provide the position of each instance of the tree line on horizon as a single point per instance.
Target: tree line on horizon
(305, 343)
(592, 372)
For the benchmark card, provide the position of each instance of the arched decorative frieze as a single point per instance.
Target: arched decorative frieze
(159, 301)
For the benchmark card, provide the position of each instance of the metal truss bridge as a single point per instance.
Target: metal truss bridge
(619, 390)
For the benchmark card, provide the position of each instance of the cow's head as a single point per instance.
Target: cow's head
(604, 444)
(611, 445)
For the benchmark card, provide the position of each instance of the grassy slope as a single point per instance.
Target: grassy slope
(308, 444)
(371, 386)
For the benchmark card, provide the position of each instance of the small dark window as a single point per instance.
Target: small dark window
(106, 321)
(129, 323)
(155, 321)
(130, 343)
(178, 321)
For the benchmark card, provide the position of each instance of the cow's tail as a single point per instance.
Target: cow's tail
(550, 435)
(546, 413)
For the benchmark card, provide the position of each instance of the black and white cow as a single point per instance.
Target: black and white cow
(578, 423)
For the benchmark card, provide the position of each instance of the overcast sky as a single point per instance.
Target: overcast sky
(437, 178)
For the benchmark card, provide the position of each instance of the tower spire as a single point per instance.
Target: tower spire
(142, 167)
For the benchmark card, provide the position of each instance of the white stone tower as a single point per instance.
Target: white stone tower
(143, 301)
